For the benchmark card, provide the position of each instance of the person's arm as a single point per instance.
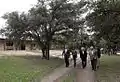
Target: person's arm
(75, 53)
(63, 53)
(86, 53)
(90, 53)
(100, 53)
(80, 54)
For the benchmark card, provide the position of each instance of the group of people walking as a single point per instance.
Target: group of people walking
(93, 52)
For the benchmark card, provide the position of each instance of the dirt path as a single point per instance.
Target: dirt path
(57, 73)
(85, 75)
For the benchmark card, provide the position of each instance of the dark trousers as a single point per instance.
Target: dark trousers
(74, 59)
(84, 63)
(94, 64)
(67, 62)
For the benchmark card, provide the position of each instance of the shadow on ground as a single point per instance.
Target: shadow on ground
(37, 59)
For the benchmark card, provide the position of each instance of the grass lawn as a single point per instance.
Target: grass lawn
(109, 69)
(70, 77)
(26, 68)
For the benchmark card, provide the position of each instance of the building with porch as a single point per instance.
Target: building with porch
(6, 44)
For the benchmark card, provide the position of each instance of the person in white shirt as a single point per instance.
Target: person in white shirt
(93, 57)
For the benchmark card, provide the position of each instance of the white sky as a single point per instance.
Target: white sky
(14, 5)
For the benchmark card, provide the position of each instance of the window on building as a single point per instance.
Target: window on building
(9, 43)
(33, 45)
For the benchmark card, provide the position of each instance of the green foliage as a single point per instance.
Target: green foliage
(45, 21)
(16, 24)
(104, 20)
(109, 69)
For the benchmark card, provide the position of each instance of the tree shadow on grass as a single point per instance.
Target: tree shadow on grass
(38, 59)
(30, 57)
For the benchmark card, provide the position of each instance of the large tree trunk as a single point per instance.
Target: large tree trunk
(48, 54)
(114, 51)
(44, 54)
(48, 51)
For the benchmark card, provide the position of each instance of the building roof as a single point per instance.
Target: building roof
(5, 38)
(2, 39)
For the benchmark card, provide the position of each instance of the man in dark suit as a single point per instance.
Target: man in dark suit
(74, 54)
(66, 57)
(83, 56)
(99, 55)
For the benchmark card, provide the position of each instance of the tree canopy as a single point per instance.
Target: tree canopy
(46, 22)
(104, 20)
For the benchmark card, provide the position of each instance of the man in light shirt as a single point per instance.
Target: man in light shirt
(93, 57)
